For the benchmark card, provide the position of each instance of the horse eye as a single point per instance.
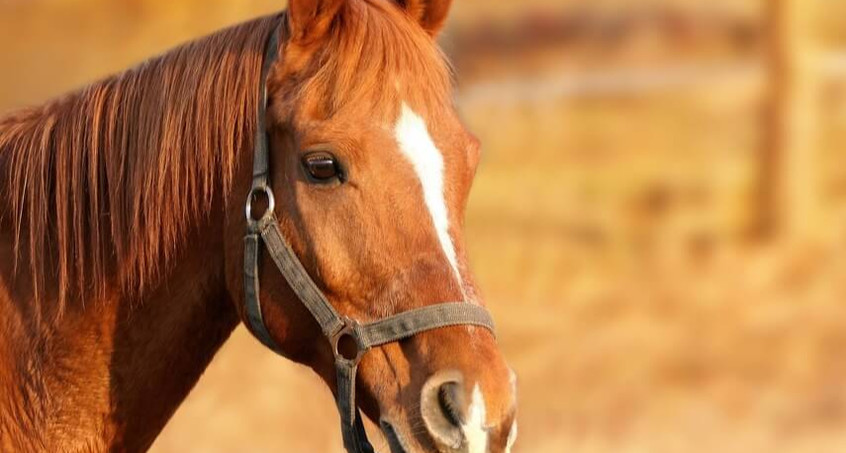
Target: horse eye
(321, 166)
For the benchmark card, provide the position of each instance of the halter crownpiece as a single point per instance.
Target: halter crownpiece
(335, 327)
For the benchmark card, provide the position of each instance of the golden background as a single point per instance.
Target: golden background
(658, 223)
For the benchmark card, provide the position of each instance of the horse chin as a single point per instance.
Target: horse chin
(395, 441)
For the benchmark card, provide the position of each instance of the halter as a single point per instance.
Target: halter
(334, 326)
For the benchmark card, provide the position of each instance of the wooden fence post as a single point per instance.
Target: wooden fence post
(790, 177)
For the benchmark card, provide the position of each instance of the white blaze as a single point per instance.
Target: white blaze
(512, 433)
(474, 429)
(417, 146)
(512, 437)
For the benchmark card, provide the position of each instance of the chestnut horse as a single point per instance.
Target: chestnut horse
(122, 231)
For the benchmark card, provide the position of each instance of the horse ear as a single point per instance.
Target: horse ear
(310, 20)
(431, 14)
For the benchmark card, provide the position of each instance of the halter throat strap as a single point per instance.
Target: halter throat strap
(265, 232)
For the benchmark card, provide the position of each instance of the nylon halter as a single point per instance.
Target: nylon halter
(334, 326)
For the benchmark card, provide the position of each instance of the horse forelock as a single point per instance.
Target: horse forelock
(374, 58)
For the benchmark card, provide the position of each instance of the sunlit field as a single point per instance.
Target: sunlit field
(615, 224)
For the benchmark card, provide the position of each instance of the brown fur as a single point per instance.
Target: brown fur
(121, 226)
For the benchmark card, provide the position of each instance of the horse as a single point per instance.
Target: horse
(122, 245)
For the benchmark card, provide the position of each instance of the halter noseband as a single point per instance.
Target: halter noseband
(334, 326)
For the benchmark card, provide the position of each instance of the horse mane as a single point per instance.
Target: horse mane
(104, 183)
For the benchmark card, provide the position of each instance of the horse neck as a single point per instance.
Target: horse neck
(110, 372)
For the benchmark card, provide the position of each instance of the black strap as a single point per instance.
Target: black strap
(294, 272)
(261, 162)
(260, 184)
(334, 326)
(255, 318)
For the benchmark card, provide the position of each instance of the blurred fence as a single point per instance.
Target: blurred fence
(775, 67)
(622, 82)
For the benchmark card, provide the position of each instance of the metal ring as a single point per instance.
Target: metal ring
(271, 204)
(348, 330)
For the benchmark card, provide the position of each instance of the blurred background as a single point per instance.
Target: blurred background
(658, 222)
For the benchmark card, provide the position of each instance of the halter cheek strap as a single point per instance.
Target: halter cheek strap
(335, 327)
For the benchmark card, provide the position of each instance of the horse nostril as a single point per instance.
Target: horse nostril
(451, 402)
(444, 409)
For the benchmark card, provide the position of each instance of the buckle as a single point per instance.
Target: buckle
(271, 205)
(340, 346)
